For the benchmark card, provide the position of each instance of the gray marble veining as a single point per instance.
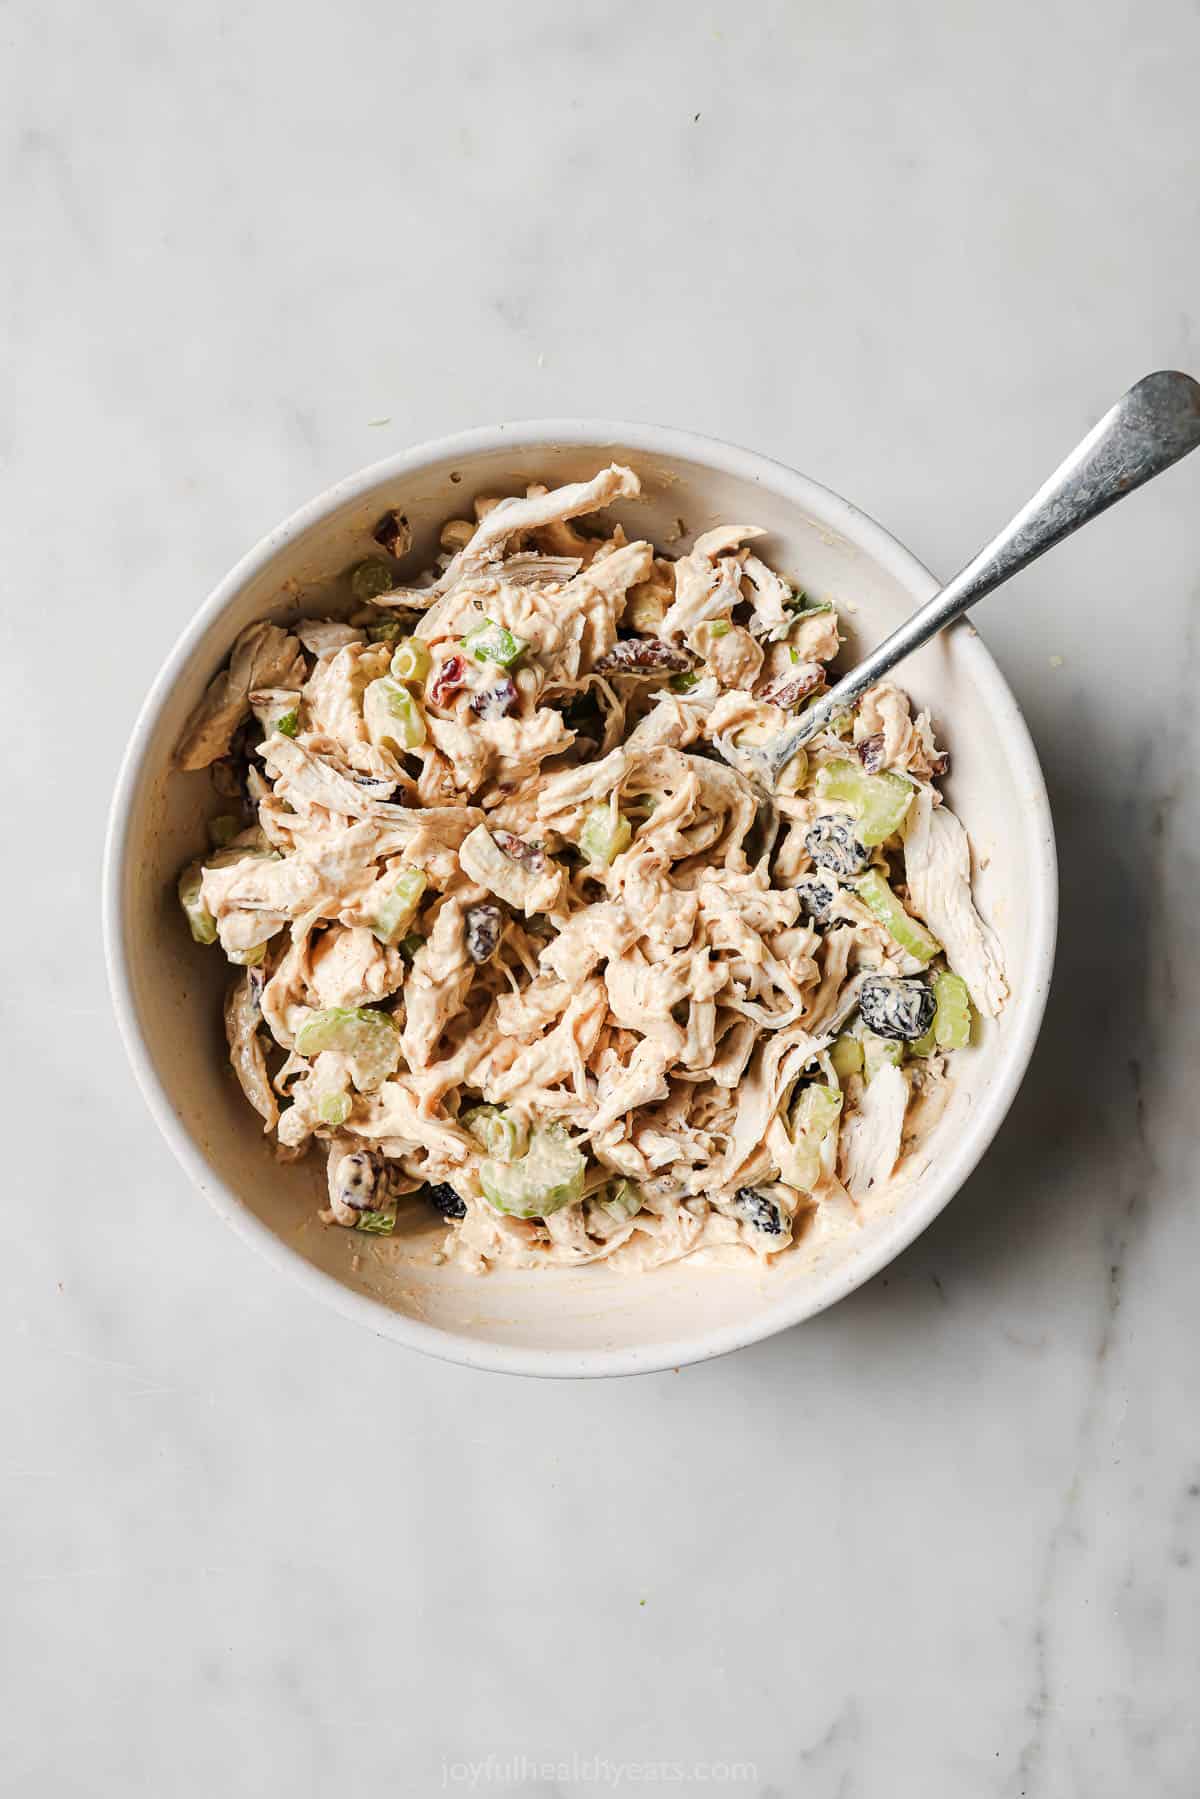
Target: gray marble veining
(943, 1541)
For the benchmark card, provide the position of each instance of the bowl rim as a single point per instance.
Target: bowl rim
(936, 1189)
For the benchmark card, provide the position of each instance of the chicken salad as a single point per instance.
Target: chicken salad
(547, 929)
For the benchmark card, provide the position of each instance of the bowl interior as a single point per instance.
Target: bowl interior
(589, 1320)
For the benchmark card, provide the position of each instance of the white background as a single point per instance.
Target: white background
(939, 1542)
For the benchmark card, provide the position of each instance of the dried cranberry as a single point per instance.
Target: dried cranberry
(445, 1200)
(832, 844)
(870, 753)
(901, 1009)
(517, 850)
(643, 656)
(483, 927)
(758, 1210)
(393, 533)
(450, 679)
(816, 898)
(362, 1180)
(495, 702)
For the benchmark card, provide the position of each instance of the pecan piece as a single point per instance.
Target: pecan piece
(643, 656)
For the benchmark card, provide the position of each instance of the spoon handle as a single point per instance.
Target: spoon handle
(1148, 429)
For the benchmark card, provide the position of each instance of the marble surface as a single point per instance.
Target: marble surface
(943, 1541)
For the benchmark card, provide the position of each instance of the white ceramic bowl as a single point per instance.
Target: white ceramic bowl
(166, 991)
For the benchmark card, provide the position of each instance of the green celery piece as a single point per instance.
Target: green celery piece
(683, 683)
(720, 628)
(900, 925)
(247, 958)
(952, 1020)
(334, 1108)
(410, 659)
(371, 578)
(878, 1052)
(546, 1178)
(398, 910)
(392, 715)
(411, 944)
(289, 723)
(369, 1040)
(804, 1165)
(814, 1115)
(622, 1201)
(384, 630)
(502, 1137)
(880, 801)
(261, 849)
(816, 1112)
(490, 642)
(379, 1224)
(815, 610)
(201, 922)
(924, 1046)
(847, 1057)
(600, 839)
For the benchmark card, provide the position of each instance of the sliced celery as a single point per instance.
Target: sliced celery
(371, 578)
(369, 1040)
(384, 630)
(410, 659)
(247, 958)
(397, 911)
(490, 642)
(720, 627)
(334, 1108)
(924, 1046)
(602, 837)
(201, 922)
(548, 1177)
(622, 1201)
(847, 1057)
(683, 683)
(880, 801)
(814, 1115)
(258, 849)
(900, 925)
(378, 1224)
(392, 716)
(816, 1112)
(952, 1021)
(289, 722)
(503, 1137)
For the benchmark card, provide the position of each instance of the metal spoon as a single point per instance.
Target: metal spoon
(1152, 426)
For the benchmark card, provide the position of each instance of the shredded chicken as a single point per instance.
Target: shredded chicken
(263, 656)
(937, 867)
(544, 928)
